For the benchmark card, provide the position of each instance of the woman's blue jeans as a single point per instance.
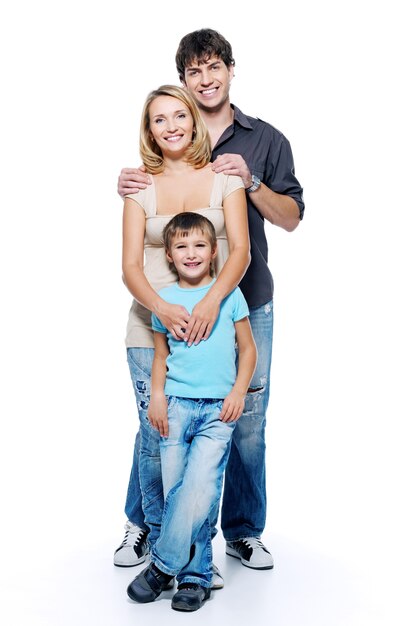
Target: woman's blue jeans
(243, 511)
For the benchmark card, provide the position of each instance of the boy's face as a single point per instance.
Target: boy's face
(192, 255)
(208, 82)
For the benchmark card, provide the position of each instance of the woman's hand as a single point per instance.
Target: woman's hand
(174, 317)
(202, 320)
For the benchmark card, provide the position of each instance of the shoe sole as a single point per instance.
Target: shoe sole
(235, 554)
(134, 563)
(183, 606)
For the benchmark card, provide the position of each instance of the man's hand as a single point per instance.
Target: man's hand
(233, 406)
(234, 165)
(157, 414)
(131, 180)
(175, 318)
(202, 320)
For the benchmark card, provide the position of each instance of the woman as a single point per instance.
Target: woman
(175, 150)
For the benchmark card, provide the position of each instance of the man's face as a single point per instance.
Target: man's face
(208, 82)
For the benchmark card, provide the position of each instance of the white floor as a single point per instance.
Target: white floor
(80, 587)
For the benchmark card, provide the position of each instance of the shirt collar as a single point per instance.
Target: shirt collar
(241, 118)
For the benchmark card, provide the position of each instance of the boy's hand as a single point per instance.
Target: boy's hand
(157, 414)
(233, 406)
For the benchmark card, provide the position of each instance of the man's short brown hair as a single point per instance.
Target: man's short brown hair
(201, 45)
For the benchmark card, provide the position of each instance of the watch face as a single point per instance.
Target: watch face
(256, 182)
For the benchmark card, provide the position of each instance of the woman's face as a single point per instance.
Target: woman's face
(171, 125)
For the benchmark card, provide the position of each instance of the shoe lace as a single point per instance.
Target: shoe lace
(134, 534)
(253, 542)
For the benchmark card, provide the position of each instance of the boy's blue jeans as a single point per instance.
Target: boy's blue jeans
(244, 497)
(193, 458)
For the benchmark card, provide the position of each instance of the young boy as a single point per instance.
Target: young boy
(196, 397)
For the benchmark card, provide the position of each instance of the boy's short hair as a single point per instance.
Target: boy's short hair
(183, 223)
(201, 45)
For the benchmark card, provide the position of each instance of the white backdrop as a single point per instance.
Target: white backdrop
(74, 78)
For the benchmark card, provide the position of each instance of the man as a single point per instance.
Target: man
(262, 156)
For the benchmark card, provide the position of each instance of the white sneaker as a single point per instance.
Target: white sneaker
(217, 578)
(134, 547)
(251, 552)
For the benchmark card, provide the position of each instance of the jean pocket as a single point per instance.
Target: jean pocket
(170, 402)
(141, 359)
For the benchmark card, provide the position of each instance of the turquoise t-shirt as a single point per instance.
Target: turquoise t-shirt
(208, 369)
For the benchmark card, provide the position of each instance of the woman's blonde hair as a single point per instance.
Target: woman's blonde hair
(199, 152)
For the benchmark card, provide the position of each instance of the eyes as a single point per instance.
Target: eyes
(181, 246)
(179, 116)
(194, 72)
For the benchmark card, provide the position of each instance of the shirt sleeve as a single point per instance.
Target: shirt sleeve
(280, 174)
(230, 184)
(157, 325)
(240, 307)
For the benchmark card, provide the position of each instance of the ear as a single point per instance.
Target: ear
(231, 72)
(214, 252)
(169, 257)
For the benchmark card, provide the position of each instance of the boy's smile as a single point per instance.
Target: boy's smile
(192, 253)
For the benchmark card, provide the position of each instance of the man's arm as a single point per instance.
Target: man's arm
(234, 403)
(157, 410)
(279, 209)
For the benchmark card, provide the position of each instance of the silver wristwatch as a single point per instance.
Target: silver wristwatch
(256, 182)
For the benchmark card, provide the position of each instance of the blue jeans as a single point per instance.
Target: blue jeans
(144, 502)
(244, 497)
(193, 459)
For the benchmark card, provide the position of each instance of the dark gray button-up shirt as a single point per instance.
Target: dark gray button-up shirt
(268, 155)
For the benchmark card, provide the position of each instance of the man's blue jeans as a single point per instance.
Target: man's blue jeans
(244, 497)
(193, 459)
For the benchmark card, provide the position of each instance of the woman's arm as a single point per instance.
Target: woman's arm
(157, 410)
(233, 404)
(206, 311)
(173, 316)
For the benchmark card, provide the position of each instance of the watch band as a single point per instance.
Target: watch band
(256, 182)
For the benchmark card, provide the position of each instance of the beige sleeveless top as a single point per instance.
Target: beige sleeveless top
(156, 267)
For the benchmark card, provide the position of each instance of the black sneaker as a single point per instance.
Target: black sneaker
(251, 552)
(190, 597)
(148, 585)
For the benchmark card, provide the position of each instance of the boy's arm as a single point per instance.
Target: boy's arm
(157, 410)
(233, 404)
